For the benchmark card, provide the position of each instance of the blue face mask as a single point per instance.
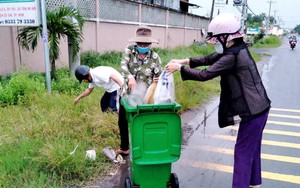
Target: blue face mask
(142, 50)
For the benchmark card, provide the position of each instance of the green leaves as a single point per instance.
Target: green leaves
(29, 36)
(64, 22)
(18, 89)
(297, 29)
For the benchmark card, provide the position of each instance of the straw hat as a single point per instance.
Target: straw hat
(143, 35)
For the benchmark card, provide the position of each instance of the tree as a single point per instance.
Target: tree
(59, 25)
(256, 21)
(297, 29)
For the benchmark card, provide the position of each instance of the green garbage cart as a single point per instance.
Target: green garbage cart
(155, 142)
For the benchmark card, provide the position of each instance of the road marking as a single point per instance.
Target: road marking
(284, 116)
(283, 123)
(229, 169)
(280, 158)
(265, 142)
(285, 110)
(269, 131)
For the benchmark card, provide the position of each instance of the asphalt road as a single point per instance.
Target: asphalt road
(207, 157)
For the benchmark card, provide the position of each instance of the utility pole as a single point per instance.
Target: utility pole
(268, 21)
(46, 48)
(244, 13)
(275, 11)
(212, 10)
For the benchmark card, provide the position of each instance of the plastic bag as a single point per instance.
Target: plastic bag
(165, 90)
(91, 154)
(137, 95)
(149, 97)
(112, 155)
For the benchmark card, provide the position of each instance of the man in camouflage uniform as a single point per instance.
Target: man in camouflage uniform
(139, 64)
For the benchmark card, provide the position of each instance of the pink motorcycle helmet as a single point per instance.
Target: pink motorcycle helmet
(223, 28)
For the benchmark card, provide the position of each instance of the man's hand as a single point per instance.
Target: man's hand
(83, 94)
(76, 100)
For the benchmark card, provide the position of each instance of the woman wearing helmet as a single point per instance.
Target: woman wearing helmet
(242, 93)
(103, 76)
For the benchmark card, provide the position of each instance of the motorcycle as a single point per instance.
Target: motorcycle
(293, 44)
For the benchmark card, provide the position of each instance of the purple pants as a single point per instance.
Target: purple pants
(247, 162)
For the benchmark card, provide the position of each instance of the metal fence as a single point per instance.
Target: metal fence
(128, 11)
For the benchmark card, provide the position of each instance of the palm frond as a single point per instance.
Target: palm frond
(28, 37)
(60, 24)
(53, 47)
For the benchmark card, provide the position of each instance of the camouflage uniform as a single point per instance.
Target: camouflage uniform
(143, 70)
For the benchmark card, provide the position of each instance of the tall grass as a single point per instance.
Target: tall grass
(37, 139)
(268, 42)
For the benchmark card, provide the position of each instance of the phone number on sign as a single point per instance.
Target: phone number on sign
(18, 21)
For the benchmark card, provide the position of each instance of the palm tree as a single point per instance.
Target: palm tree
(59, 25)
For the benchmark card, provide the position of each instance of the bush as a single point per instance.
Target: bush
(259, 37)
(18, 88)
(65, 83)
(268, 42)
(94, 59)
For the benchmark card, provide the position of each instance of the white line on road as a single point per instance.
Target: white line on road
(283, 123)
(284, 116)
(280, 158)
(265, 142)
(269, 131)
(285, 110)
(229, 169)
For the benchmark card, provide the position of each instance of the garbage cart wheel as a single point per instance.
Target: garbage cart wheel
(174, 181)
(128, 183)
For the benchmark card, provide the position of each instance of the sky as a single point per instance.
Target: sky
(286, 11)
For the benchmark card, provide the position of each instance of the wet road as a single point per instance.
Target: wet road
(207, 156)
(207, 151)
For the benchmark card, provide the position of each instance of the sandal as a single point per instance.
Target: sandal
(123, 152)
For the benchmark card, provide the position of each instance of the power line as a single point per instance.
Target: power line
(250, 10)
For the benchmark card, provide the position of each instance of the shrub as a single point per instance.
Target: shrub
(94, 59)
(65, 83)
(259, 37)
(18, 88)
(268, 42)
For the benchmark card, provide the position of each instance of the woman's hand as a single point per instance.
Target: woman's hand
(175, 65)
(131, 83)
(185, 61)
(172, 67)
(155, 79)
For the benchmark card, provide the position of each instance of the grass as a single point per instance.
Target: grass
(36, 140)
(268, 42)
(37, 135)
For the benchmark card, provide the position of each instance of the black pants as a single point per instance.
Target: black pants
(109, 100)
(123, 127)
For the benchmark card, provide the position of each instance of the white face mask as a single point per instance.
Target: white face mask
(219, 48)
